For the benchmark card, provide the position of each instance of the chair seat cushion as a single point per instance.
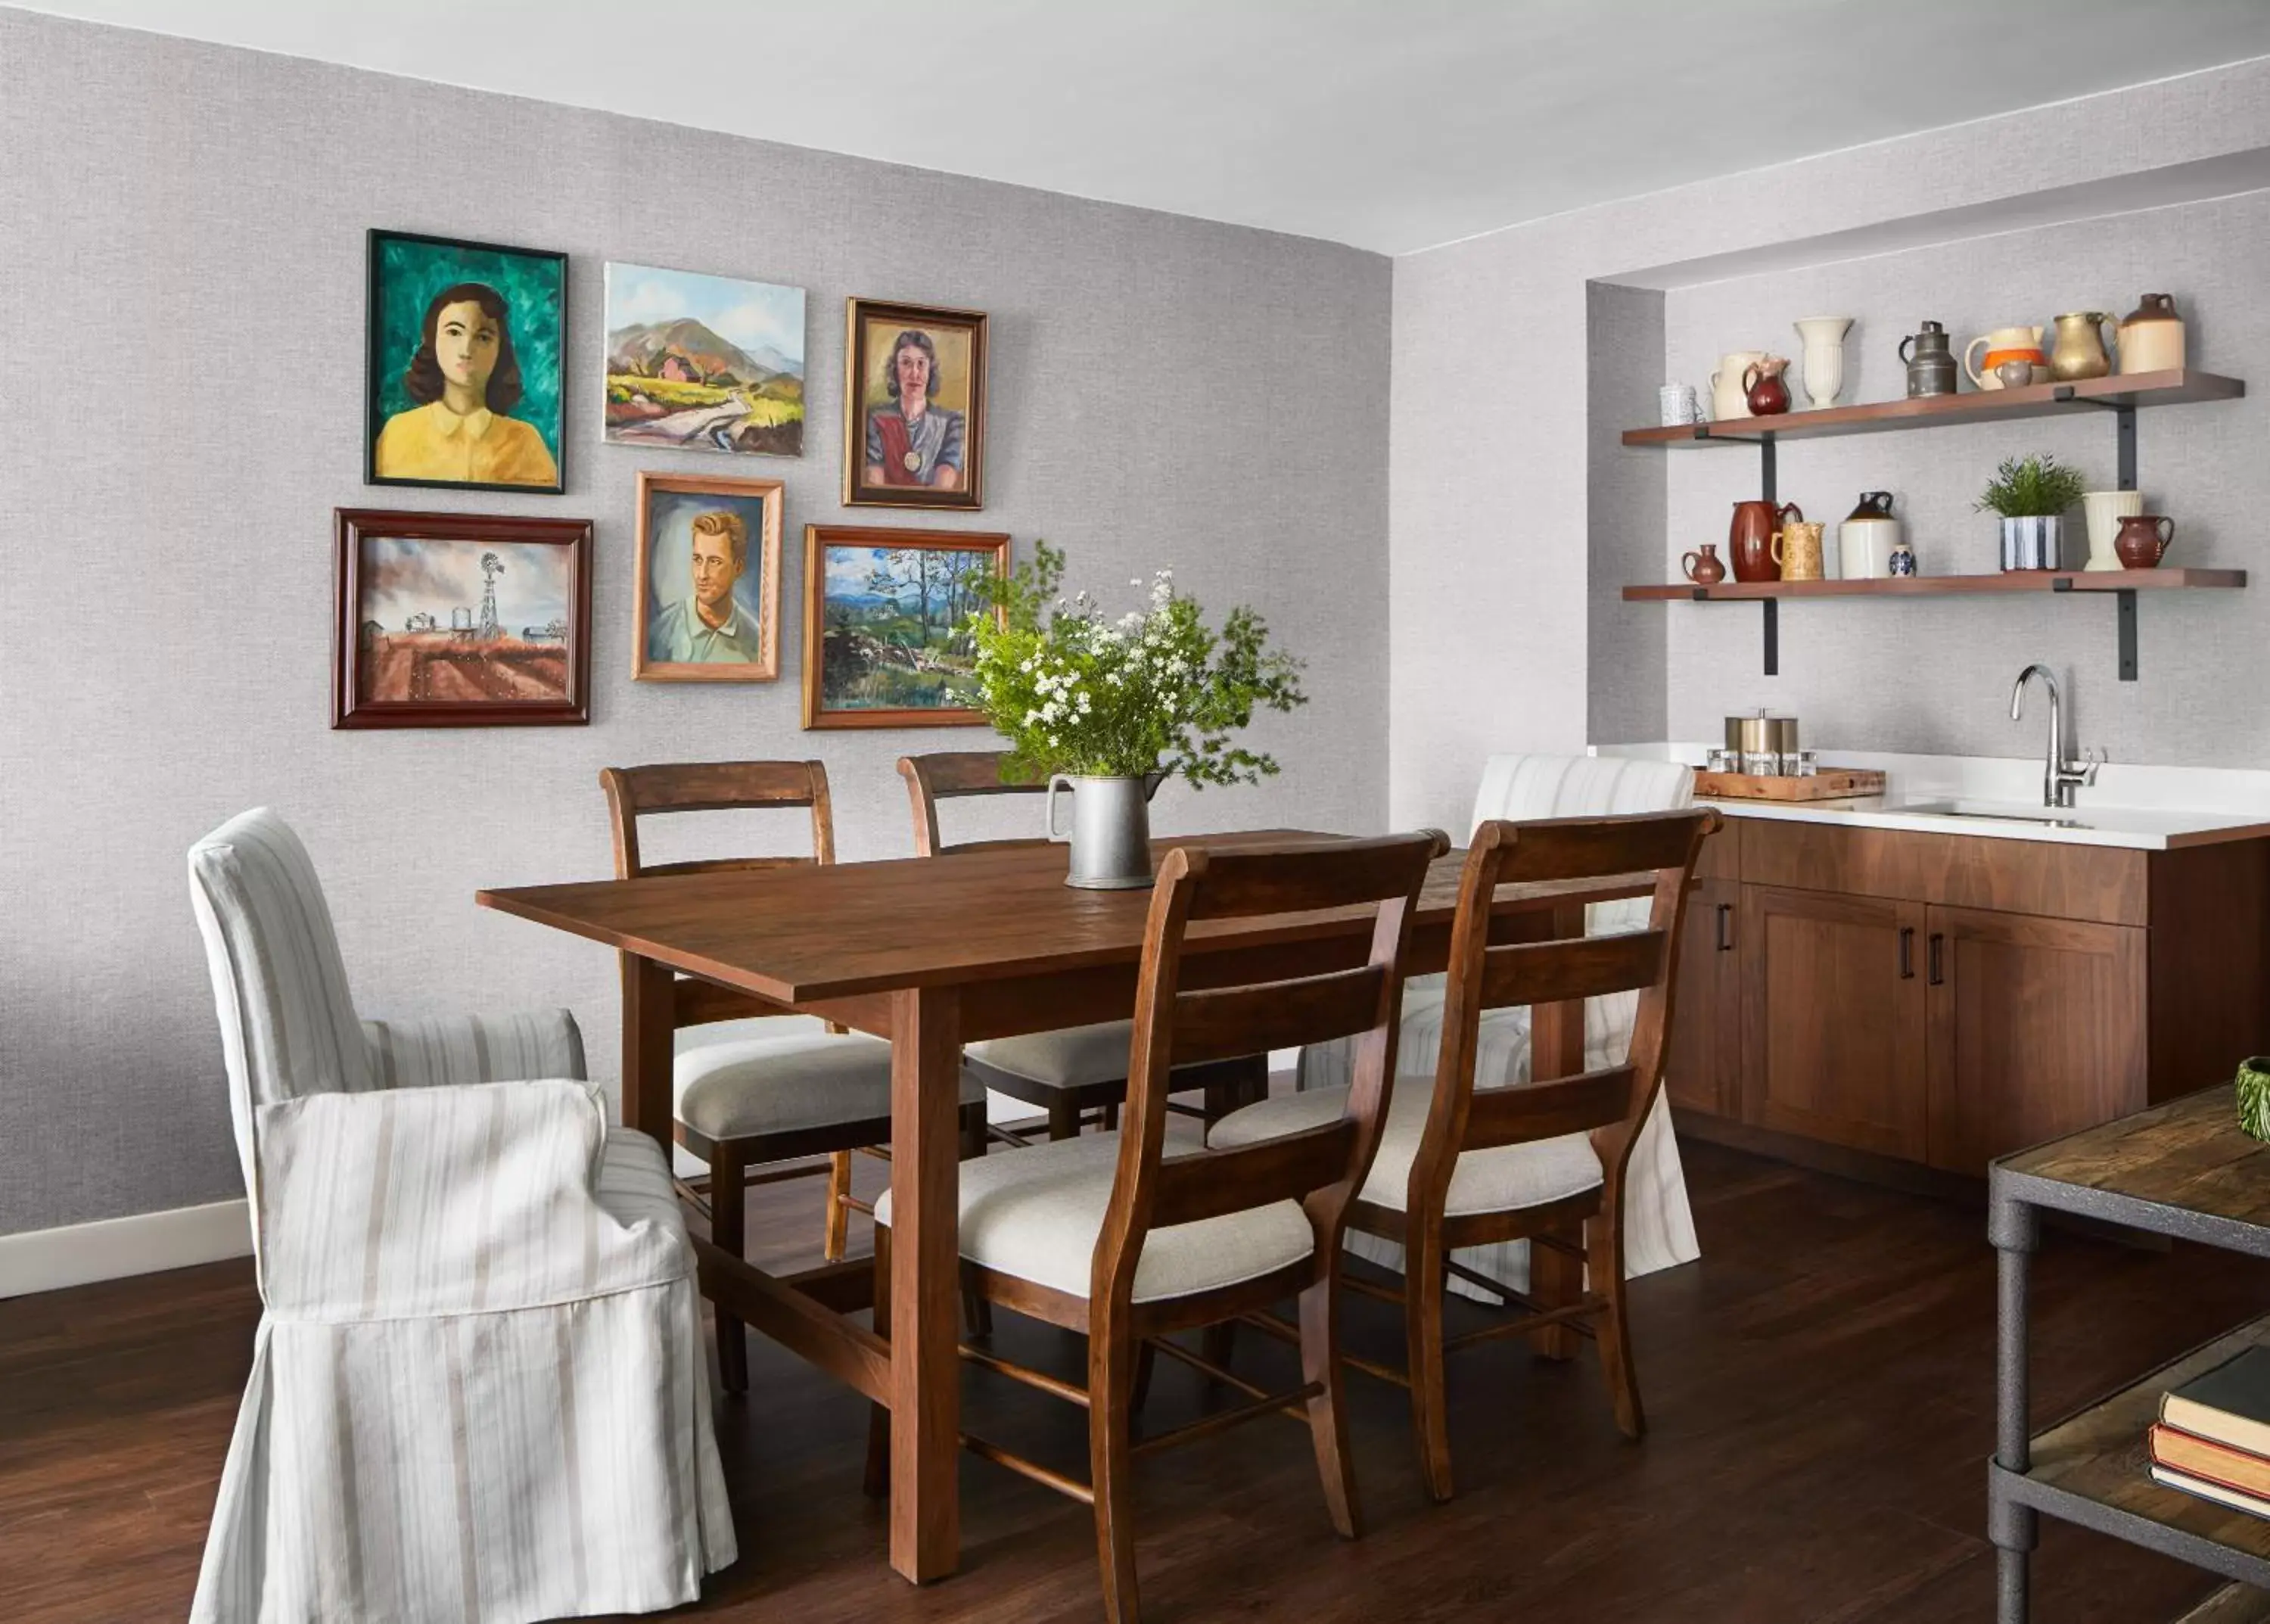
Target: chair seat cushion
(1074, 1057)
(1506, 1178)
(787, 1085)
(1036, 1214)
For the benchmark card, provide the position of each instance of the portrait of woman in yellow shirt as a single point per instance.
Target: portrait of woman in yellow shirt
(466, 379)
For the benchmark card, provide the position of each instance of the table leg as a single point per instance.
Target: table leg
(925, 1299)
(2013, 1229)
(650, 1032)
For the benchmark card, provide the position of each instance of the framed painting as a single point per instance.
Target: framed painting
(886, 643)
(708, 580)
(914, 406)
(704, 363)
(464, 386)
(461, 619)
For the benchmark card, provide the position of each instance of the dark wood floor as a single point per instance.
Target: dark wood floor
(1820, 1387)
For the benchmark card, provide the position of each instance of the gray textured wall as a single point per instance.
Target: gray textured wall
(1935, 675)
(1500, 639)
(1624, 518)
(183, 261)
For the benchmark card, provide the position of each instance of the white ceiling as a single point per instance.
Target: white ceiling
(1390, 124)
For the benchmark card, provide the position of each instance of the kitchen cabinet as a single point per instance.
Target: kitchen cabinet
(1832, 1018)
(1938, 1000)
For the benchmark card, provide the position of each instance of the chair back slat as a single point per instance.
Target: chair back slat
(1548, 1109)
(1591, 966)
(1592, 847)
(1321, 1169)
(1309, 877)
(956, 775)
(674, 788)
(1211, 1182)
(1565, 968)
(1230, 1021)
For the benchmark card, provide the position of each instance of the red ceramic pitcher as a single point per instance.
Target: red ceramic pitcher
(1754, 540)
(2144, 540)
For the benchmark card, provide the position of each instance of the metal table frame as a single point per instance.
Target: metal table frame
(2014, 1501)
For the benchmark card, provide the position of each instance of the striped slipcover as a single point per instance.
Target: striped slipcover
(478, 1393)
(1658, 1225)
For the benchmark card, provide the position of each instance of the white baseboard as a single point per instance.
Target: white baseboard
(109, 1249)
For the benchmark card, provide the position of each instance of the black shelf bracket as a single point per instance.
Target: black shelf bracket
(1766, 479)
(2127, 602)
(2123, 433)
(1773, 605)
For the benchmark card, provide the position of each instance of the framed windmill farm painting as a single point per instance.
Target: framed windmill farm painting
(461, 619)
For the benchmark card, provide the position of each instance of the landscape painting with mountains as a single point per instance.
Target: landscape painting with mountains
(702, 362)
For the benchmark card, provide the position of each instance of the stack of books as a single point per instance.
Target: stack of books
(2213, 1436)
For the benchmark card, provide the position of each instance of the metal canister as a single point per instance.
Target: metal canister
(1758, 741)
(1931, 365)
(1781, 731)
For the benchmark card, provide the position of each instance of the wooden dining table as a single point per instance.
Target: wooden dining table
(931, 953)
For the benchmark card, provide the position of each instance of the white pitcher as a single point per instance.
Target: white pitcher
(1728, 397)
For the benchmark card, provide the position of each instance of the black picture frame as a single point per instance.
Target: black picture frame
(377, 363)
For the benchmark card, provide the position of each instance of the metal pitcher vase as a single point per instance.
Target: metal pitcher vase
(1110, 833)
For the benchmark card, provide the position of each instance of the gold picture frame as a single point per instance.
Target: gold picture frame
(686, 531)
(933, 457)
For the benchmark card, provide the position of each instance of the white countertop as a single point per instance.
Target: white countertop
(2140, 807)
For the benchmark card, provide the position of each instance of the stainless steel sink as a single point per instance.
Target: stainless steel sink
(2046, 818)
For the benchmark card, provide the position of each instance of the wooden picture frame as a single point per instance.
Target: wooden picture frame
(828, 644)
(522, 425)
(675, 533)
(942, 464)
(417, 642)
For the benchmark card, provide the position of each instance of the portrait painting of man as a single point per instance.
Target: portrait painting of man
(708, 580)
(914, 407)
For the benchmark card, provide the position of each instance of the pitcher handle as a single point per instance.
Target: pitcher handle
(2166, 530)
(1968, 364)
(1055, 778)
(1905, 358)
(1687, 563)
(1773, 548)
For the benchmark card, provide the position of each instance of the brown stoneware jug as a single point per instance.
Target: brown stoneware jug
(2144, 540)
(1706, 569)
(1754, 540)
(1763, 388)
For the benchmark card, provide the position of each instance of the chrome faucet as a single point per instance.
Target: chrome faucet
(2060, 776)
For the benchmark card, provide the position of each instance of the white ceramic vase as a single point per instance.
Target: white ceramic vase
(1823, 338)
(2104, 510)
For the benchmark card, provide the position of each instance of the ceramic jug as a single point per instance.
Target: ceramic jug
(1763, 388)
(1754, 540)
(2152, 336)
(2144, 540)
(1865, 539)
(1931, 369)
(1729, 397)
(1706, 570)
(2104, 510)
(2003, 343)
(1801, 551)
(2079, 350)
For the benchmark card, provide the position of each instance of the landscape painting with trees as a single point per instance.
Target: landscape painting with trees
(704, 363)
(887, 625)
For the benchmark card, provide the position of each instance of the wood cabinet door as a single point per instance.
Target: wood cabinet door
(1833, 1018)
(1703, 1066)
(2036, 1029)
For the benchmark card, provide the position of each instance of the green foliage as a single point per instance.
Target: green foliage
(1155, 690)
(2031, 488)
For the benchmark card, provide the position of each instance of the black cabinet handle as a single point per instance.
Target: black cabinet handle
(1907, 953)
(1726, 927)
(1938, 960)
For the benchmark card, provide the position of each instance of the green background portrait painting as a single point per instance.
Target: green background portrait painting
(406, 272)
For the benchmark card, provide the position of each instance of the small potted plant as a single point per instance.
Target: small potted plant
(2032, 495)
(1112, 708)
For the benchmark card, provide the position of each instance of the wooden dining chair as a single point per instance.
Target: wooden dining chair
(1077, 1075)
(759, 1109)
(1543, 1159)
(1108, 1236)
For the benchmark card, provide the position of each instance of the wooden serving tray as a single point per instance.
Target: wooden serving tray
(1837, 783)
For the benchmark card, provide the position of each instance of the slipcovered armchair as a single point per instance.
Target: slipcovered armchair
(478, 1391)
(1658, 1223)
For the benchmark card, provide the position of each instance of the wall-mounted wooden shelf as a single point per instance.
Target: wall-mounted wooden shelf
(1948, 586)
(2121, 585)
(2139, 389)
